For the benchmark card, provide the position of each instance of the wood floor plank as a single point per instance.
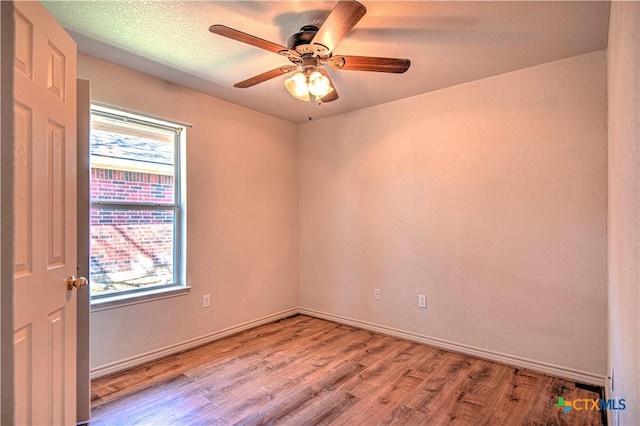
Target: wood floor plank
(307, 371)
(323, 410)
(307, 395)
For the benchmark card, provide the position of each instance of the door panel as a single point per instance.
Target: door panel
(57, 214)
(23, 375)
(22, 189)
(23, 45)
(45, 219)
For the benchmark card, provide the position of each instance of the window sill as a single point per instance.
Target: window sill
(134, 299)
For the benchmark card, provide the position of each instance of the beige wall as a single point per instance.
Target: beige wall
(623, 57)
(241, 231)
(489, 197)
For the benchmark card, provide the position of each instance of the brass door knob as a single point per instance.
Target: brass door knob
(76, 282)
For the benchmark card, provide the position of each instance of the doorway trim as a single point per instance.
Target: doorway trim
(7, 37)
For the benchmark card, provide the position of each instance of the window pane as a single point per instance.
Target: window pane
(131, 249)
(131, 163)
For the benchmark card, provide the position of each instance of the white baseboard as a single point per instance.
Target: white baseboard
(125, 364)
(513, 360)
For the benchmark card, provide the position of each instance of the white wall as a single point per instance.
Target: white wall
(623, 60)
(242, 207)
(489, 197)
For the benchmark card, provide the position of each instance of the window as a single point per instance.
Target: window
(137, 199)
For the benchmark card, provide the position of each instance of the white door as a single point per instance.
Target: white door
(45, 218)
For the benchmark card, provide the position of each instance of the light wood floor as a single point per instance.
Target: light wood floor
(305, 371)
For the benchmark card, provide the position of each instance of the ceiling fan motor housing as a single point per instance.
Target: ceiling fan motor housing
(305, 36)
(301, 42)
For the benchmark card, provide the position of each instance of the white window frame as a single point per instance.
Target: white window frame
(178, 286)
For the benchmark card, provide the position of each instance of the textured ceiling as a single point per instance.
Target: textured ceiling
(448, 43)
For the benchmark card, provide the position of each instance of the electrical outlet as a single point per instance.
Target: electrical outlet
(206, 300)
(422, 301)
(377, 294)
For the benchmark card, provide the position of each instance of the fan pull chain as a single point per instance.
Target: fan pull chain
(318, 102)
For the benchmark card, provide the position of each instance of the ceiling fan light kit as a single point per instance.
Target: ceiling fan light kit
(318, 84)
(311, 49)
(301, 86)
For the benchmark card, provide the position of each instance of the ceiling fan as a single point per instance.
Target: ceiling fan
(311, 49)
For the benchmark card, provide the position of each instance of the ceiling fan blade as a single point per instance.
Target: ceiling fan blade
(225, 31)
(340, 21)
(333, 95)
(260, 78)
(369, 63)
